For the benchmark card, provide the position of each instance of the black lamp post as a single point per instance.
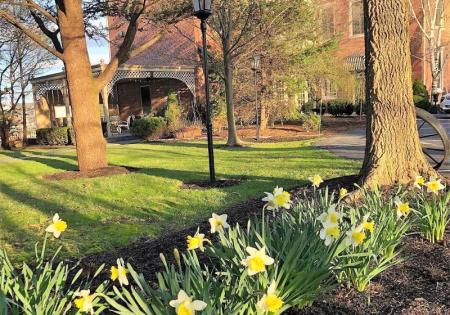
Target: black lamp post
(202, 10)
(256, 65)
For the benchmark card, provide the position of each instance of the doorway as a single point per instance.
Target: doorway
(146, 99)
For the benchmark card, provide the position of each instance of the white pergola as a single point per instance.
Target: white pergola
(58, 82)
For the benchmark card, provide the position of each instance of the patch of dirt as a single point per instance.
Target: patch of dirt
(220, 183)
(420, 285)
(107, 171)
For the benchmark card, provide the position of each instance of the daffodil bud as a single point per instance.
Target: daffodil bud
(163, 259)
(176, 254)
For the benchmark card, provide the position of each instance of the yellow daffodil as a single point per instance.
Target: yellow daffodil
(342, 193)
(184, 304)
(119, 273)
(196, 241)
(57, 227)
(368, 225)
(434, 185)
(316, 180)
(270, 302)
(329, 233)
(84, 302)
(278, 199)
(403, 208)
(419, 182)
(257, 260)
(355, 236)
(331, 216)
(218, 223)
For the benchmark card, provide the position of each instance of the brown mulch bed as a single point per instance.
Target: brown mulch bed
(289, 132)
(420, 285)
(102, 172)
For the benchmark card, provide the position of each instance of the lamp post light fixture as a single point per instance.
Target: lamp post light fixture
(256, 66)
(202, 10)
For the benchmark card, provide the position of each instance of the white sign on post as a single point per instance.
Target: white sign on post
(60, 111)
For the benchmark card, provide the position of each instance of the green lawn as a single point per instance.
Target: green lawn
(112, 211)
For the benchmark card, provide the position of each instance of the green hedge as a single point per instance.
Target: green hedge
(55, 136)
(149, 127)
(340, 108)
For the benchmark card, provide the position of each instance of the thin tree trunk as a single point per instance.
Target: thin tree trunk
(91, 146)
(393, 151)
(233, 139)
(24, 108)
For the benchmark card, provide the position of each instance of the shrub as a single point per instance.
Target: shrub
(358, 108)
(173, 113)
(55, 136)
(340, 108)
(422, 102)
(148, 127)
(309, 121)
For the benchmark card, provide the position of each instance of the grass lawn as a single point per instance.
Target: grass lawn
(107, 212)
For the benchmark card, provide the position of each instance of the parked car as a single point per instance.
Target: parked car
(445, 103)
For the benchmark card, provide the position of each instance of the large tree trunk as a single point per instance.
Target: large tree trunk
(84, 92)
(4, 134)
(233, 139)
(393, 151)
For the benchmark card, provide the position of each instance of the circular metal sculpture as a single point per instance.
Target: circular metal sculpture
(433, 138)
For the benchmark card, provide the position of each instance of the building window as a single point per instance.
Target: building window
(329, 90)
(357, 18)
(327, 21)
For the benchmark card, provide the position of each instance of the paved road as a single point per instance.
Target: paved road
(351, 144)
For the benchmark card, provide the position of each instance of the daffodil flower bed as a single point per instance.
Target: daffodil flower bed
(286, 258)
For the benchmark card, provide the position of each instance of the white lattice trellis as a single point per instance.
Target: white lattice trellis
(188, 77)
(41, 88)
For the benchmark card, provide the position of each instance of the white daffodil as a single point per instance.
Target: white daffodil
(85, 301)
(57, 227)
(331, 216)
(403, 208)
(278, 199)
(434, 185)
(196, 241)
(329, 233)
(419, 182)
(119, 273)
(257, 260)
(184, 304)
(355, 236)
(316, 180)
(218, 223)
(270, 302)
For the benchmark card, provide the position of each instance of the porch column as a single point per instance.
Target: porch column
(105, 97)
(66, 100)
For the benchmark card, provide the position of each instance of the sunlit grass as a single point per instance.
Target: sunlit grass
(107, 212)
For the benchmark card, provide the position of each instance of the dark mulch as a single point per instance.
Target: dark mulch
(102, 172)
(220, 183)
(420, 285)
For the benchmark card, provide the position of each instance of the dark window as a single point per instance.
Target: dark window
(357, 14)
(146, 99)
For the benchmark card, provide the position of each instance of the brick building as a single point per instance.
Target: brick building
(140, 86)
(345, 19)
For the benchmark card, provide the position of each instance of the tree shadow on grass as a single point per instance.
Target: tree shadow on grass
(52, 161)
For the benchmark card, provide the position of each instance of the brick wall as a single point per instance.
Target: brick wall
(354, 45)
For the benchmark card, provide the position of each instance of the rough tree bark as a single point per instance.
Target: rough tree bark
(393, 152)
(83, 89)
